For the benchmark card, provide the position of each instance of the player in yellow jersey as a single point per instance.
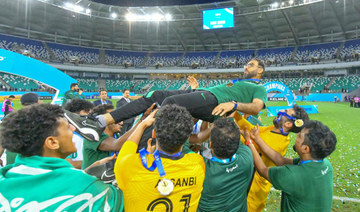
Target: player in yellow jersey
(167, 180)
(276, 137)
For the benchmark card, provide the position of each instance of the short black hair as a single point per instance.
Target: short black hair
(24, 131)
(126, 90)
(101, 90)
(260, 62)
(102, 109)
(173, 126)
(300, 113)
(77, 105)
(73, 85)
(225, 137)
(320, 139)
(12, 96)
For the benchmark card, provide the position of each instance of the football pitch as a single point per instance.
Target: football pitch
(345, 123)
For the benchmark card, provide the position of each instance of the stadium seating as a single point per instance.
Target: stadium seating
(64, 53)
(275, 55)
(19, 83)
(350, 48)
(119, 85)
(88, 84)
(350, 83)
(177, 84)
(325, 51)
(17, 44)
(238, 58)
(113, 57)
(202, 58)
(166, 59)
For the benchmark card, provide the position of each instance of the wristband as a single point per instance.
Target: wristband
(248, 142)
(235, 106)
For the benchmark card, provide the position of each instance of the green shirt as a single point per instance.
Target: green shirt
(243, 91)
(305, 187)
(226, 184)
(91, 153)
(51, 184)
(68, 96)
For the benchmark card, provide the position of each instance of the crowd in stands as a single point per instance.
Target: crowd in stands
(124, 58)
(19, 45)
(312, 53)
(66, 53)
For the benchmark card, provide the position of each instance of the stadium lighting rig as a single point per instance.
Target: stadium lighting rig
(156, 17)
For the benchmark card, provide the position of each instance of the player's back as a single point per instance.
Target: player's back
(140, 190)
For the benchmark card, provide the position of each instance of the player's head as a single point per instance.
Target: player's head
(11, 97)
(224, 138)
(126, 93)
(173, 126)
(79, 106)
(107, 108)
(74, 86)
(291, 120)
(29, 99)
(38, 129)
(103, 94)
(315, 139)
(254, 69)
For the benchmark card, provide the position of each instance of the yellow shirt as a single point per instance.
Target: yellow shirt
(260, 187)
(139, 185)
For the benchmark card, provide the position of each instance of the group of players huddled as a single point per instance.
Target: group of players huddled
(77, 158)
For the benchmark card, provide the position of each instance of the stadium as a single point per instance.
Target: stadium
(311, 47)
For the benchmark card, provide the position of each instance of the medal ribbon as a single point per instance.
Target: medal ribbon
(308, 161)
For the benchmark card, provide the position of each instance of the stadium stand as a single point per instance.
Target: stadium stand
(19, 83)
(166, 59)
(275, 55)
(351, 50)
(17, 44)
(350, 83)
(324, 51)
(119, 85)
(64, 53)
(238, 58)
(202, 58)
(113, 57)
(88, 84)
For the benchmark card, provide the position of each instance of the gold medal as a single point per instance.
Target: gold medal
(165, 187)
(299, 123)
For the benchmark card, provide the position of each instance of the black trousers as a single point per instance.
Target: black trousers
(199, 103)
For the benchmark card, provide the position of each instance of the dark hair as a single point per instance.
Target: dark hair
(173, 126)
(260, 62)
(101, 90)
(77, 105)
(102, 109)
(300, 113)
(73, 85)
(12, 96)
(126, 90)
(320, 139)
(225, 138)
(25, 131)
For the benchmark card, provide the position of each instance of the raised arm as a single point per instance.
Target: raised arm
(274, 156)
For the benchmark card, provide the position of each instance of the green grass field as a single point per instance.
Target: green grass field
(345, 123)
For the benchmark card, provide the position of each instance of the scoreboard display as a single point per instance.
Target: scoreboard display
(218, 18)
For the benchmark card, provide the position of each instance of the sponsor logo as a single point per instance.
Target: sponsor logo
(2, 58)
(323, 172)
(228, 170)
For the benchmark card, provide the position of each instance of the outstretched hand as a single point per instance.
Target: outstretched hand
(246, 134)
(149, 119)
(223, 108)
(192, 82)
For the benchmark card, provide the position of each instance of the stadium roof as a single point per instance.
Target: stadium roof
(258, 24)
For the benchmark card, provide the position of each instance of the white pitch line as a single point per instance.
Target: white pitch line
(346, 199)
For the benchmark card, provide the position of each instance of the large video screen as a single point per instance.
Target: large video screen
(218, 18)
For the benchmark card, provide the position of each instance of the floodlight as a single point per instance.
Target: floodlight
(78, 8)
(291, 2)
(113, 15)
(275, 5)
(156, 17)
(168, 17)
(87, 11)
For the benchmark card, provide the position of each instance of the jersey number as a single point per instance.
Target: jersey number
(168, 204)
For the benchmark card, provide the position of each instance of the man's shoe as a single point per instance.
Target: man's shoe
(87, 126)
(104, 172)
